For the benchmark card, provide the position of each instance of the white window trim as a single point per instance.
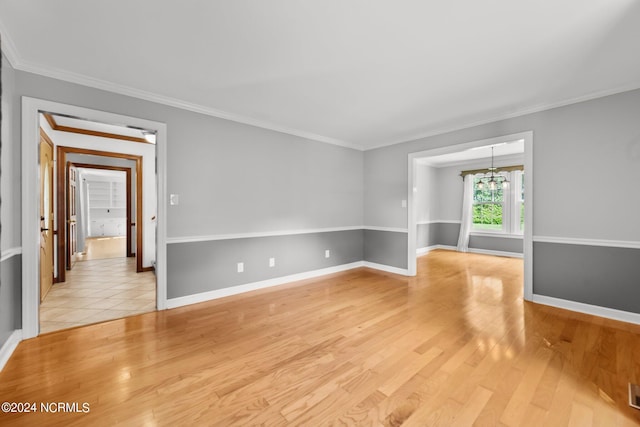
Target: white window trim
(510, 215)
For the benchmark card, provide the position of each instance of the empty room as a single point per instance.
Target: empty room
(320, 213)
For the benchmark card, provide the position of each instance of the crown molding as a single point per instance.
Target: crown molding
(8, 47)
(84, 80)
(10, 51)
(535, 109)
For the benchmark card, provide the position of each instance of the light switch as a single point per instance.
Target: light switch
(174, 199)
(404, 203)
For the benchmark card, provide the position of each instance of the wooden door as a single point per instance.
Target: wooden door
(46, 216)
(72, 236)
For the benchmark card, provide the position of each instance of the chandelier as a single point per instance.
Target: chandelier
(495, 180)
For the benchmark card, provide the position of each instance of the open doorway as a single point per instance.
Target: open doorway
(123, 221)
(499, 225)
(101, 279)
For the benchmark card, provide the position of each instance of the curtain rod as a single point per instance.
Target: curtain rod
(487, 170)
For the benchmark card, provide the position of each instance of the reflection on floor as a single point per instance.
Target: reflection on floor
(97, 290)
(104, 247)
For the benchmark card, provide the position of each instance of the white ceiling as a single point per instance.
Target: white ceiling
(361, 73)
(77, 123)
(102, 175)
(511, 149)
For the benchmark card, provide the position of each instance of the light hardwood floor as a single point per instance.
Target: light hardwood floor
(455, 345)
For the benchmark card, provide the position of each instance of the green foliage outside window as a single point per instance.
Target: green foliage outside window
(487, 216)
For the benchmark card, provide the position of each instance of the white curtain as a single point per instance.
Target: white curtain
(467, 214)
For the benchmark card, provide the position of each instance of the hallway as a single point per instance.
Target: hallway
(97, 290)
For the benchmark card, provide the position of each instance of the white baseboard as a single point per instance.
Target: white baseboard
(387, 268)
(9, 347)
(609, 313)
(496, 253)
(427, 249)
(234, 290)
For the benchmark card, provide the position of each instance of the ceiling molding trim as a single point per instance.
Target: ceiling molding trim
(84, 80)
(519, 113)
(8, 48)
(10, 51)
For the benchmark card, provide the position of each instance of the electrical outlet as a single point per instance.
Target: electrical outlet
(240, 267)
(327, 253)
(174, 199)
(272, 262)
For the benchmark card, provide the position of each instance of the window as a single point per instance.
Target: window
(500, 210)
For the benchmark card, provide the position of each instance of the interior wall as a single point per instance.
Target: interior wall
(149, 196)
(439, 208)
(106, 161)
(234, 181)
(570, 142)
(11, 259)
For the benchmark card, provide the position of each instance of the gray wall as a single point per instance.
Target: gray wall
(10, 180)
(232, 178)
(10, 269)
(594, 275)
(439, 198)
(204, 266)
(442, 233)
(386, 248)
(437, 233)
(598, 135)
(10, 296)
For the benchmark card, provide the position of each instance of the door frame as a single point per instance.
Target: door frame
(31, 107)
(127, 172)
(45, 138)
(61, 183)
(527, 136)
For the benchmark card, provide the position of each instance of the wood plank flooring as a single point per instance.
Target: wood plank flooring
(455, 345)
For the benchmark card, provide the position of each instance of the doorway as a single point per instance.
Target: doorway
(31, 224)
(414, 158)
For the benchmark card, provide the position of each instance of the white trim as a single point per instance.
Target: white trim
(519, 113)
(234, 290)
(440, 221)
(594, 310)
(427, 249)
(81, 79)
(387, 268)
(481, 162)
(588, 242)
(8, 253)
(498, 235)
(392, 229)
(9, 347)
(30, 204)
(8, 48)
(495, 253)
(528, 176)
(19, 64)
(189, 239)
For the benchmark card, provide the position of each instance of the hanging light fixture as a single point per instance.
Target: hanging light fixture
(495, 180)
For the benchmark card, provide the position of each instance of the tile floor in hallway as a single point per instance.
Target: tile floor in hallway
(98, 290)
